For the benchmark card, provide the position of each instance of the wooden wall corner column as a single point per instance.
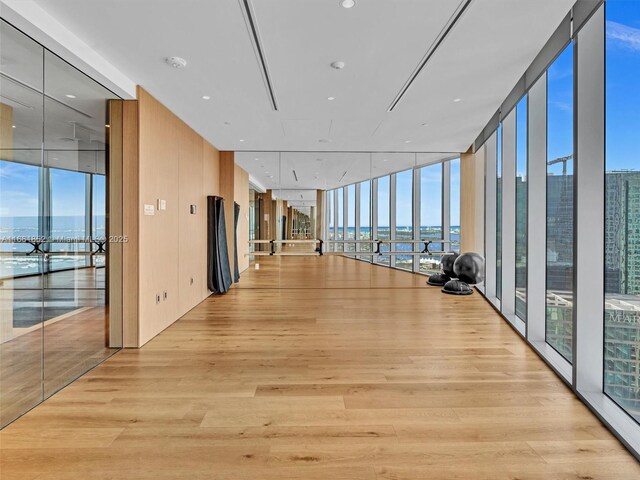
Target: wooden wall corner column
(320, 194)
(472, 202)
(227, 191)
(123, 188)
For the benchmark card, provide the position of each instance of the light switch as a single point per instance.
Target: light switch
(149, 209)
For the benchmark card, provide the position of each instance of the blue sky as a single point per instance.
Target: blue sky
(623, 83)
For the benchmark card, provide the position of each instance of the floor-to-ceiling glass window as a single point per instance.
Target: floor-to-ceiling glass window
(340, 218)
(99, 213)
(622, 207)
(404, 218)
(365, 218)
(499, 214)
(454, 204)
(331, 216)
(384, 218)
(559, 276)
(521, 209)
(350, 230)
(54, 322)
(68, 217)
(431, 215)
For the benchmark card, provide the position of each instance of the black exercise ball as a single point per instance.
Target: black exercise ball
(438, 279)
(447, 264)
(469, 268)
(456, 287)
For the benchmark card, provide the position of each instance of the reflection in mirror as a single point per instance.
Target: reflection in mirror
(362, 202)
(53, 141)
(75, 142)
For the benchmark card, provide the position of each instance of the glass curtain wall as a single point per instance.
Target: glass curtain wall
(53, 141)
(404, 218)
(557, 194)
(499, 215)
(331, 214)
(559, 278)
(384, 217)
(431, 215)
(430, 205)
(622, 208)
(454, 206)
(521, 209)
(351, 218)
(340, 218)
(365, 218)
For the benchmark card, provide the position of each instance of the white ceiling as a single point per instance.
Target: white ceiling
(381, 41)
(327, 170)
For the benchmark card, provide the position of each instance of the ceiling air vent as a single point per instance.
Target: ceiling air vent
(464, 5)
(252, 26)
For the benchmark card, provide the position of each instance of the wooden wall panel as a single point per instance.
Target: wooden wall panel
(115, 212)
(241, 196)
(159, 148)
(227, 191)
(192, 227)
(6, 131)
(130, 221)
(472, 202)
(211, 186)
(165, 257)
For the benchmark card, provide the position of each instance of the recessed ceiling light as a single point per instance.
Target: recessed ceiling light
(324, 140)
(425, 124)
(385, 160)
(176, 62)
(407, 141)
(338, 65)
(331, 98)
(13, 126)
(256, 159)
(68, 95)
(348, 3)
(318, 159)
(206, 97)
(242, 139)
(227, 123)
(457, 100)
(108, 126)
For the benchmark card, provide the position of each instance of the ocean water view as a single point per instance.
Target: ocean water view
(15, 232)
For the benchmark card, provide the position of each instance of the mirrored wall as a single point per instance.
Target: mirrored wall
(53, 224)
(418, 203)
(357, 203)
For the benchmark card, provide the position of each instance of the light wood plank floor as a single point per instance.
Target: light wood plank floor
(320, 368)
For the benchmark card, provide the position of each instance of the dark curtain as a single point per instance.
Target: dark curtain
(218, 271)
(236, 271)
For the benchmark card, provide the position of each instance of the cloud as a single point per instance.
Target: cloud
(623, 36)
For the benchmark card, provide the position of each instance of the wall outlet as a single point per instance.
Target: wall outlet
(162, 204)
(157, 298)
(193, 209)
(191, 281)
(164, 295)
